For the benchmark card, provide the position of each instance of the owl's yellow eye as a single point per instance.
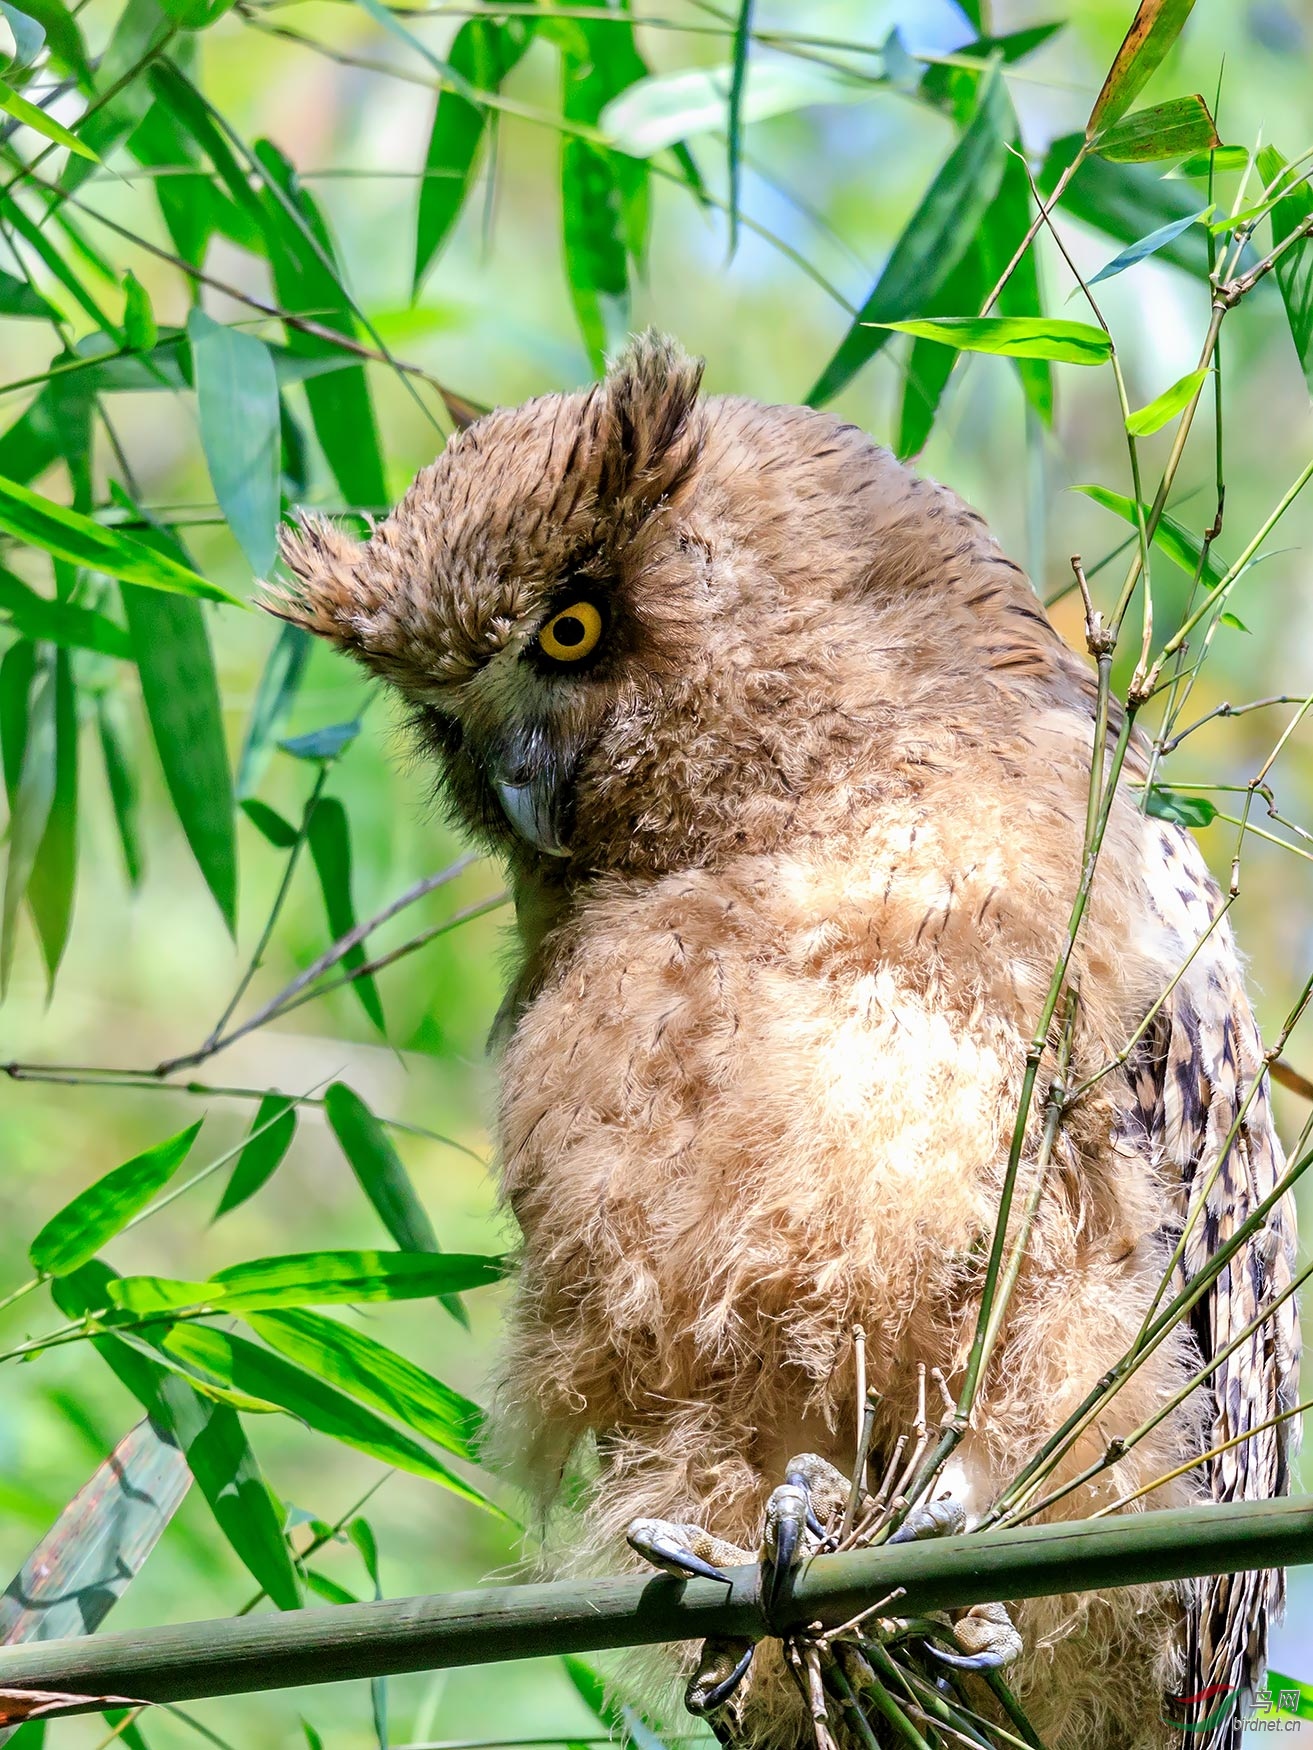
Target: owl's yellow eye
(572, 634)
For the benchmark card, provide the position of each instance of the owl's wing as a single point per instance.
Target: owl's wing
(1197, 1069)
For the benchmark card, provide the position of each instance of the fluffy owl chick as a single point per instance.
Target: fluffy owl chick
(789, 770)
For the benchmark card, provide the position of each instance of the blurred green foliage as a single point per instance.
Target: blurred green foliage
(291, 240)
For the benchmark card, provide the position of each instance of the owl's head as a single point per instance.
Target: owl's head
(635, 625)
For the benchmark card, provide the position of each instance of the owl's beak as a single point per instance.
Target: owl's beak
(531, 810)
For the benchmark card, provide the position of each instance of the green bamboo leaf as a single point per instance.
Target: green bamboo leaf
(33, 796)
(56, 622)
(1125, 201)
(1150, 245)
(28, 34)
(1168, 804)
(19, 298)
(340, 404)
(367, 1369)
(122, 781)
(1293, 1699)
(63, 39)
(1168, 130)
(734, 114)
(1034, 337)
(268, 1376)
(237, 393)
(272, 1130)
(68, 535)
(1151, 418)
(1155, 27)
(280, 680)
(1180, 546)
(95, 1215)
(1222, 160)
(17, 672)
(329, 836)
(140, 329)
(41, 123)
(1294, 271)
(311, 1279)
(322, 744)
(280, 833)
(181, 694)
(934, 240)
(54, 872)
(663, 108)
(382, 1176)
(484, 51)
(86, 1561)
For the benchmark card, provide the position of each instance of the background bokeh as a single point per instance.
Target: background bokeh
(146, 973)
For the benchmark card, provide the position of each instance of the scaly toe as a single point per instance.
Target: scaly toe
(943, 1518)
(683, 1550)
(988, 1637)
(721, 1669)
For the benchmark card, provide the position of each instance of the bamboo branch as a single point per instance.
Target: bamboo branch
(236, 1655)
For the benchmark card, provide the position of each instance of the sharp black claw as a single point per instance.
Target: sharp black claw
(718, 1696)
(682, 1558)
(814, 1525)
(987, 1661)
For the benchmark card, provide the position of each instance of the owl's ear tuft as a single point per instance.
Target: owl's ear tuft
(652, 431)
(328, 590)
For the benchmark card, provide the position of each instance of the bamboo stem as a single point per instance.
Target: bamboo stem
(237, 1655)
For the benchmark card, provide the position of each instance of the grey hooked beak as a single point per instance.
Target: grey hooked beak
(531, 810)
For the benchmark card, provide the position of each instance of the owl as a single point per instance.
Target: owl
(789, 771)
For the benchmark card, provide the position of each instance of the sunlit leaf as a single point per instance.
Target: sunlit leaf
(328, 834)
(28, 33)
(312, 1279)
(237, 393)
(272, 1130)
(63, 38)
(54, 872)
(1171, 805)
(484, 51)
(1294, 1700)
(933, 242)
(1150, 245)
(41, 123)
(1180, 546)
(1168, 130)
(1035, 337)
(181, 693)
(314, 1402)
(1147, 420)
(86, 1561)
(140, 329)
(95, 1215)
(1221, 161)
(280, 680)
(1291, 212)
(663, 108)
(1155, 27)
(365, 1368)
(68, 535)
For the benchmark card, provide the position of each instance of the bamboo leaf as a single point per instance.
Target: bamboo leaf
(1151, 418)
(328, 835)
(98, 1545)
(272, 1130)
(1294, 271)
(280, 833)
(1168, 130)
(54, 872)
(122, 781)
(280, 680)
(663, 108)
(734, 116)
(1150, 245)
(28, 34)
(1034, 337)
(1168, 804)
(32, 798)
(483, 51)
(322, 744)
(140, 329)
(58, 622)
(1293, 1699)
(366, 1369)
(265, 1375)
(68, 535)
(310, 1279)
(180, 690)
(19, 298)
(41, 123)
(933, 242)
(74, 1235)
(17, 673)
(1155, 27)
(1126, 201)
(1180, 546)
(237, 393)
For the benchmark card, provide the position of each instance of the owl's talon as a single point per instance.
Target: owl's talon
(683, 1550)
(989, 1637)
(942, 1518)
(712, 1684)
(782, 1542)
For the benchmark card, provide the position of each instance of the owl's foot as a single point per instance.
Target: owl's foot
(988, 1637)
(684, 1550)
